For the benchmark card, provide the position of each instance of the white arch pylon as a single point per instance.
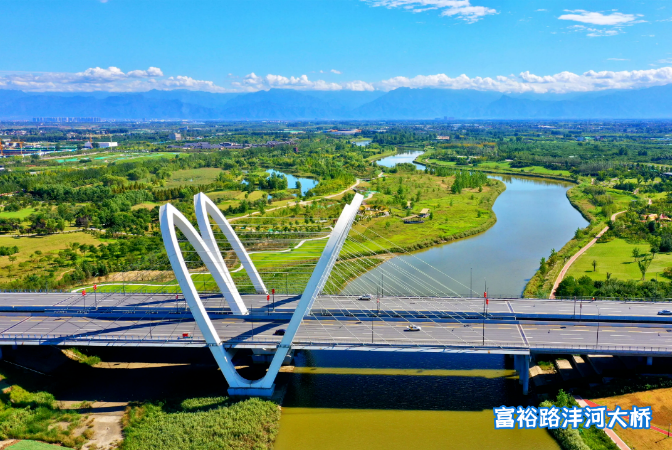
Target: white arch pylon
(170, 217)
(204, 206)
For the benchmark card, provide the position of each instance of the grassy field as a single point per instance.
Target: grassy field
(202, 175)
(20, 214)
(454, 215)
(504, 167)
(616, 258)
(202, 424)
(49, 245)
(660, 401)
(34, 445)
(34, 415)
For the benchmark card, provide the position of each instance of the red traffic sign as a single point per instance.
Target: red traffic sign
(268, 297)
(273, 291)
(95, 286)
(83, 291)
(485, 294)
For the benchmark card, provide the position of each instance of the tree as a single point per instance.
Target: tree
(12, 258)
(635, 253)
(594, 263)
(644, 264)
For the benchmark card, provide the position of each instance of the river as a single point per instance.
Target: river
(370, 400)
(402, 157)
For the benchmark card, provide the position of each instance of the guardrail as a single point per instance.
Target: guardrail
(502, 347)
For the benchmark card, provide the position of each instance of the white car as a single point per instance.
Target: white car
(366, 297)
(665, 312)
(412, 327)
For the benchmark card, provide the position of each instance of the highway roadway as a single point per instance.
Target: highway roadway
(339, 322)
(326, 331)
(457, 308)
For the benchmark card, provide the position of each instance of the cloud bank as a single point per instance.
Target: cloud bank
(562, 82)
(111, 79)
(114, 79)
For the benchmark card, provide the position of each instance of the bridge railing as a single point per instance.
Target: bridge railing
(114, 339)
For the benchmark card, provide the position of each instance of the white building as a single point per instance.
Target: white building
(106, 144)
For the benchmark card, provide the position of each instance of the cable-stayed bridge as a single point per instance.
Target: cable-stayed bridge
(410, 306)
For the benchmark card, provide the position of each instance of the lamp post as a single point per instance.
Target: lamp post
(597, 338)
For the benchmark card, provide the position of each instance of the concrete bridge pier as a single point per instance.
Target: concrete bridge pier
(265, 356)
(521, 364)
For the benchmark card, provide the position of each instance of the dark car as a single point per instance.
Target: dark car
(280, 332)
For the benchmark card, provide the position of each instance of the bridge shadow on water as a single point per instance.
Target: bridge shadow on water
(155, 374)
(481, 382)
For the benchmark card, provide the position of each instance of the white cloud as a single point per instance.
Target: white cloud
(527, 82)
(462, 9)
(337, 72)
(541, 10)
(253, 82)
(111, 79)
(598, 33)
(597, 18)
(115, 80)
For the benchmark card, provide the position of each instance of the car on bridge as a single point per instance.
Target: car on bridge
(365, 297)
(412, 327)
(279, 332)
(665, 312)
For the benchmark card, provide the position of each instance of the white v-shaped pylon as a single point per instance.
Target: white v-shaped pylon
(207, 249)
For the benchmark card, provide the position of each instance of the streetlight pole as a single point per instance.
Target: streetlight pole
(597, 338)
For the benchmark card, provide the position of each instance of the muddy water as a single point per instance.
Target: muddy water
(371, 400)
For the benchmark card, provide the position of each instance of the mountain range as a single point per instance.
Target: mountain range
(287, 104)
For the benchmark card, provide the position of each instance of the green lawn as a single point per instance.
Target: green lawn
(505, 167)
(455, 215)
(616, 258)
(20, 214)
(48, 244)
(34, 445)
(202, 175)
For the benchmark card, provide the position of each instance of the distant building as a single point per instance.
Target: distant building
(443, 138)
(88, 145)
(107, 144)
(175, 136)
(67, 119)
(345, 132)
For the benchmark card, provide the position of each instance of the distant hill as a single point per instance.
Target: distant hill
(287, 104)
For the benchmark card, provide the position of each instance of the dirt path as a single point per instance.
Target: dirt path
(576, 256)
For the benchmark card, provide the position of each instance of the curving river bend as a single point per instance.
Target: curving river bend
(368, 401)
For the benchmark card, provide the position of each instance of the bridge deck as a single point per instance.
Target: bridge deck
(157, 320)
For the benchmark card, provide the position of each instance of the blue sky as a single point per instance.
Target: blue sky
(247, 45)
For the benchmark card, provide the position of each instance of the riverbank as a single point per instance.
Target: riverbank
(148, 399)
(585, 199)
(389, 224)
(541, 285)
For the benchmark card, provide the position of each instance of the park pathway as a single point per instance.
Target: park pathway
(576, 256)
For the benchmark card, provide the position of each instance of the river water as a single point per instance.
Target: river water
(306, 183)
(369, 400)
(399, 158)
